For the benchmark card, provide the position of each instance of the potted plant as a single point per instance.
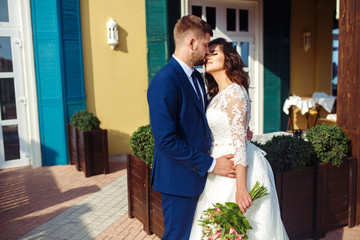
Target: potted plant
(331, 144)
(88, 146)
(143, 202)
(315, 182)
(335, 178)
(292, 160)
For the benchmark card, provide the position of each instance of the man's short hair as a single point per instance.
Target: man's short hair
(190, 23)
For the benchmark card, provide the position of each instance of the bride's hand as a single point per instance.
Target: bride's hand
(243, 199)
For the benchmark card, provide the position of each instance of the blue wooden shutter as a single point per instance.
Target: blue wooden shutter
(161, 16)
(59, 73)
(73, 80)
(276, 63)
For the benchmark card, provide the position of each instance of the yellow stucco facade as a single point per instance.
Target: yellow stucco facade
(116, 80)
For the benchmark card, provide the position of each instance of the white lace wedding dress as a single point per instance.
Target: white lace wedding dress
(228, 116)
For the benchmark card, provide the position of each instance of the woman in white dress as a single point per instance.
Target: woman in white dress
(228, 115)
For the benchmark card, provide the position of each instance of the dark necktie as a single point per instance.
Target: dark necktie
(197, 89)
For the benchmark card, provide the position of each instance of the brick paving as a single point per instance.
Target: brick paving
(29, 197)
(89, 217)
(58, 202)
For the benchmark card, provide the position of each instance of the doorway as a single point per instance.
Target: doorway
(13, 132)
(239, 22)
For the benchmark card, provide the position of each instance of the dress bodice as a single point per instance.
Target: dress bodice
(228, 115)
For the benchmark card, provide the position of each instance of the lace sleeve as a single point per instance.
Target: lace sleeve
(237, 113)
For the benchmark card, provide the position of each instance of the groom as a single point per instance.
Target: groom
(177, 103)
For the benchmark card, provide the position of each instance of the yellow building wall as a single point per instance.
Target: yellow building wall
(310, 71)
(116, 80)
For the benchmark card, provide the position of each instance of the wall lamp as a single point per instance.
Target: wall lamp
(307, 41)
(112, 33)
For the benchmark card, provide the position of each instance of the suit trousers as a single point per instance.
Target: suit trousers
(178, 216)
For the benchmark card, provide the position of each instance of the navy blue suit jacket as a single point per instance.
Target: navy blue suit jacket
(182, 138)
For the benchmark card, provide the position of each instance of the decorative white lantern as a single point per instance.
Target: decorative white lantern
(307, 41)
(112, 33)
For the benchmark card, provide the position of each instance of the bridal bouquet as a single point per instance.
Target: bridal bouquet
(226, 221)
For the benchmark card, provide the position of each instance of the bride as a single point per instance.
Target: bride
(228, 116)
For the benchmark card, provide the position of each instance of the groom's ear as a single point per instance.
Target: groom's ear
(191, 43)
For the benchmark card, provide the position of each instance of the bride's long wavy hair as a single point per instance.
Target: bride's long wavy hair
(234, 68)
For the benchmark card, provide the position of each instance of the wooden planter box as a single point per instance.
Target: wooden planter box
(317, 199)
(297, 197)
(72, 133)
(156, 214)
(88, 150)
(336, 196)
(312, 201)
(143, 202)
(137, 185)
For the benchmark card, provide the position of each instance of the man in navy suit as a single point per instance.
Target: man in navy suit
(177, 103)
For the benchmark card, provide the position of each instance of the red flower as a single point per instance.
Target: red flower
(216, 235)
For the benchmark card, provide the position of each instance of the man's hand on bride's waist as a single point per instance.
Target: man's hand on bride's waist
(224, 166)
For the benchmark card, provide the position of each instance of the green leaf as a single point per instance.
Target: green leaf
(232, 205)
(222, 234)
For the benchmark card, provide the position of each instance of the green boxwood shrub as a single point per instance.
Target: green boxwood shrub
(142, 144)
(288, 153)
(85, 121)
(331, 143)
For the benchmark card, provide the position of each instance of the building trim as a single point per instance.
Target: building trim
(32, 113)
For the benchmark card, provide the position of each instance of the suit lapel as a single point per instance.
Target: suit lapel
(189, 88)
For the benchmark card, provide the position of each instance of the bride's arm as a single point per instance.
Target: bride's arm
(237, 112)
(243, 198)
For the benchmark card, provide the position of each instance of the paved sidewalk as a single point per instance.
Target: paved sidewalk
(88, 218)
(59, 203)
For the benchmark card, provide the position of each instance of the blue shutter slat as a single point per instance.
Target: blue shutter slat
(73, 71)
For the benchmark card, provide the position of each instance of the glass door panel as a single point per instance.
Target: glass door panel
(11, 142)
(244, 53)
(13, 136)
(7, 99)
(4, 11)
(5, 55)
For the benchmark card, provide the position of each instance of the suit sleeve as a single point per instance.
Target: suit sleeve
(163, 98)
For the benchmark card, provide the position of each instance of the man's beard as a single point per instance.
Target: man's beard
(197, 60)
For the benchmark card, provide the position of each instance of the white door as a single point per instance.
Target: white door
(236, 22)
(13, 137)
